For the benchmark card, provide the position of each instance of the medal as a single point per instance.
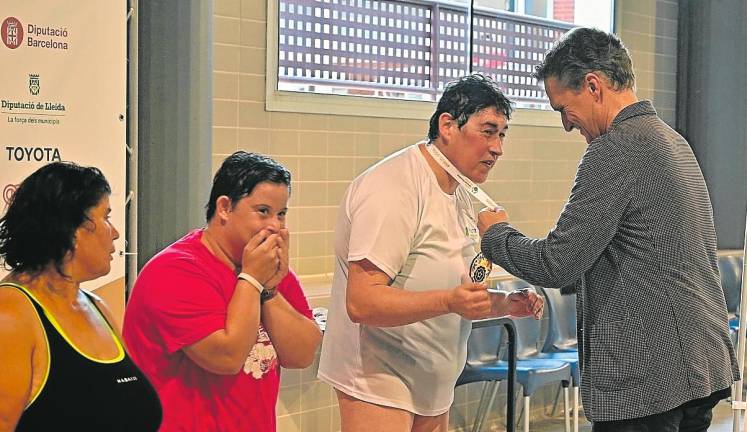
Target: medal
(480, 268)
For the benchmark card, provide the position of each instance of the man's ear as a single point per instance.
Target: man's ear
(594, 84)
(445, 124)
(223, 207)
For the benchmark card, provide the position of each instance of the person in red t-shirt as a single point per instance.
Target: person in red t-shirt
(212, 316)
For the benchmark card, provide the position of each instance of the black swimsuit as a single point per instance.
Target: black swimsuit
(84, 394)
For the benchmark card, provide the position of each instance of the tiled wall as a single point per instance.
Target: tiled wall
(649, 30)
(325, 152)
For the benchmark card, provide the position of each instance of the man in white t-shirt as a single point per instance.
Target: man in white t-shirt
(398, 324)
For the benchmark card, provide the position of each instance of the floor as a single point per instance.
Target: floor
(722, 422)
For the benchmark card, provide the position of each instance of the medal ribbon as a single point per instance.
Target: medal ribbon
(463, 180)
(480, 266)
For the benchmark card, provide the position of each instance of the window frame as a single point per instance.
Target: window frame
(349, 105)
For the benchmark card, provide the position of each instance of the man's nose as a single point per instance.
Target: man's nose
(496, 147)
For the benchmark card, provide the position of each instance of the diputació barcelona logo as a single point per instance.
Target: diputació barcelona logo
(11, 32)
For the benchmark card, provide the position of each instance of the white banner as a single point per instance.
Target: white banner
(63, 89)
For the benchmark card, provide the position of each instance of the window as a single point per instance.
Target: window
(409, 49)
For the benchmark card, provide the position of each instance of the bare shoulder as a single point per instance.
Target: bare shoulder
(15, 304)
(20, 330)
(18, 318)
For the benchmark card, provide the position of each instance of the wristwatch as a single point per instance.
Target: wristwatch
(267, 295)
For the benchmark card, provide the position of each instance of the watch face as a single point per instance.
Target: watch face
(480, 268)
(267, 294)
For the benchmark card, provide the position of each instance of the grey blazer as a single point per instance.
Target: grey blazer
(637, 243)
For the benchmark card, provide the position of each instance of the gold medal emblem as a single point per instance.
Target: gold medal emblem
(480, 268)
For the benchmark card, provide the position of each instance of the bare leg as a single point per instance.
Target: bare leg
(439, 423)
(359, 416)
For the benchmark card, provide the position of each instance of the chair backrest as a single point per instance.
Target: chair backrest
(528, 337)
(561, 332)
(484, 345)
(528, 330)
(730, 268)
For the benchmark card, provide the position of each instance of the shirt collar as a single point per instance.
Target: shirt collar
(639, 108)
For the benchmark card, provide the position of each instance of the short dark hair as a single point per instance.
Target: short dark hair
(584, 50)
(466, 96)
(240, 173)
(44, 213)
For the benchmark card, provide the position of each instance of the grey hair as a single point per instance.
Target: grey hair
(584, 50)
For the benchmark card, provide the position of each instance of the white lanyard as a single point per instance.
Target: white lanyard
(480, 267)
(468, 184)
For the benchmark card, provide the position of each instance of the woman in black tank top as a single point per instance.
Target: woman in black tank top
(64, 366)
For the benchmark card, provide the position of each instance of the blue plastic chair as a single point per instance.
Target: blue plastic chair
(561, 342)
(485, 363)
(527, 347)
(730, 268)
(528, 341)
(561, 332)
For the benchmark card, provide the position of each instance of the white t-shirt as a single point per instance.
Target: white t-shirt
(396, 216)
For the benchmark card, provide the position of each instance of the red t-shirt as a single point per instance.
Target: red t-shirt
(180, 297)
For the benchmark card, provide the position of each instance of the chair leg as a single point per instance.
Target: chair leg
(480, 407)
(496, 385)
(526, 413)
(485, 404)
(555, 402)
(575, 409)
(489, 406)
(566, 405)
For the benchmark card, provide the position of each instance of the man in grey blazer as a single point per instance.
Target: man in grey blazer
(636, 242)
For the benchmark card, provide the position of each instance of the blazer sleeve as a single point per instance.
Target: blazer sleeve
(601, 193)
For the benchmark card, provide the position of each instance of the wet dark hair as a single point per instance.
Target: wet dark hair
(584, 50)
(466, 96)
(240, 173)
(44, 213)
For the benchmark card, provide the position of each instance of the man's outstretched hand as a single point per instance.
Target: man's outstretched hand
(519, 303)
(489, 217)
